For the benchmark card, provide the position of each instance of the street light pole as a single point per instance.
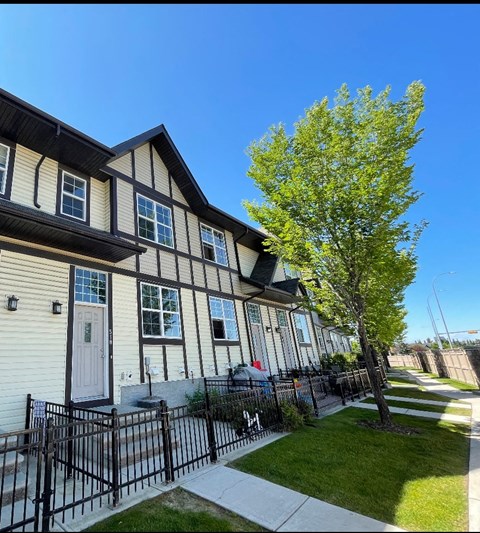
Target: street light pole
(439, 341)
(439, 307)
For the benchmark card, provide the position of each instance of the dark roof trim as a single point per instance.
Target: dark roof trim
(271, 292)
(25, 223)
(45, 117)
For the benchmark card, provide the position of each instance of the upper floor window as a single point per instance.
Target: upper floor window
(224, 323)
(74, 197)
(160, 312)
(302, 329)
(4, 155)
(290, 273)
(154, 221)
(213, 244)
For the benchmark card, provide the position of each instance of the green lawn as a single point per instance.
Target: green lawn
(175, 510)
(455, 383)
(417, 482)
(419, 394)
(425, 407)
(395, 380)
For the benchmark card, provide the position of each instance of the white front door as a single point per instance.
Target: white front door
(88, 368)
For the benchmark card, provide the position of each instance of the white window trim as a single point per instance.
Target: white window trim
(306, 330)
(84, 200)
(4, 184)
(92, 304)
(202, 225)
(249, 305)
(155, 221)
(161, 311)
(223, 319)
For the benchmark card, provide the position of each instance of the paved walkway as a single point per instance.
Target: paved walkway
(278, 508)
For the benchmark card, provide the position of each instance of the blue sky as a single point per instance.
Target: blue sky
(219, 76)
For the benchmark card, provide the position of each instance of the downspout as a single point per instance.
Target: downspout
(37, 168)
(294, 330)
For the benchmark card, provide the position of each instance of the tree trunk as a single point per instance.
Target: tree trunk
(383, 410)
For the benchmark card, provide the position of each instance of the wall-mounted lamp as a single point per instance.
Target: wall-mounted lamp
(268, 329)
(56, 308)
(278, 329)
(12, 302)
(181, 370)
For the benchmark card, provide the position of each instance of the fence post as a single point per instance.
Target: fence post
(314, 399)
(28, 415)
(166, 439)
(115, 459)
(295, 393)
(70, 441)
(342, 394)
(361, 381)
(47, 480)
(356, 385)
(210, 428)
(251, 383)
(277, 403)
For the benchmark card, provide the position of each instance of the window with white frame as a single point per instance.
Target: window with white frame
(224, 323)
(290, 273)
(4, 155)
(213, 244)
(154, 221)
(254, 314)
(160, 312)
(74, 196)
(302, 329)
(90, 286)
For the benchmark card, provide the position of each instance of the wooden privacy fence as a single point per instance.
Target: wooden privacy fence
(460, 364)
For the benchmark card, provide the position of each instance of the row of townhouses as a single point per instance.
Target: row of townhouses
(114, 268)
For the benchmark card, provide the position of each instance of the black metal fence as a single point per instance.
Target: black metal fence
(71, 461)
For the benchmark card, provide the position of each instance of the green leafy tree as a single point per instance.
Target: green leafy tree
(335, 194)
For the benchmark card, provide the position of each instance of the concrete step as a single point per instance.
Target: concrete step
(13, 482)
(10, 462)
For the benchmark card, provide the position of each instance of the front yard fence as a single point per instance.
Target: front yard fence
(71, 461)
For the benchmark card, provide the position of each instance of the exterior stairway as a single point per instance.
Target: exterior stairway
(13, 482)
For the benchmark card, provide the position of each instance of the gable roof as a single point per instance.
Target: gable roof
(162, 142)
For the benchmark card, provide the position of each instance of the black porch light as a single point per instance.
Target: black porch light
(12, 303)
(56, 308)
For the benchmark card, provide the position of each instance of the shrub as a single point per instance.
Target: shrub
(197, 400)
(292, 418)
(306, 410)
(346, 361)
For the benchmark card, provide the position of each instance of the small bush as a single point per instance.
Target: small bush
(197, 400)
(292, 418)
(306, 410)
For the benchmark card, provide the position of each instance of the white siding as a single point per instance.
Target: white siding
(24, 176)
(33, 340)
(176, 194)
(125, 211)
(126, 357)
(212, 278)
(175, 363)
(155, 352)
(106, 203)
(232, 258)
(279, 273)
(168, 268)
(184, 270)
(148, 262)
(248, 258)
(97, 205)
(269, 338)
(189, 325)
(194, 234)
(198, 274)
(143, 172)
(47, 186)
(181, 241)
(225, 281)
(123, 164)
(242, 331)
(161, 174)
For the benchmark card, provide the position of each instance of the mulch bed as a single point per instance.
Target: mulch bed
(375, 424)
